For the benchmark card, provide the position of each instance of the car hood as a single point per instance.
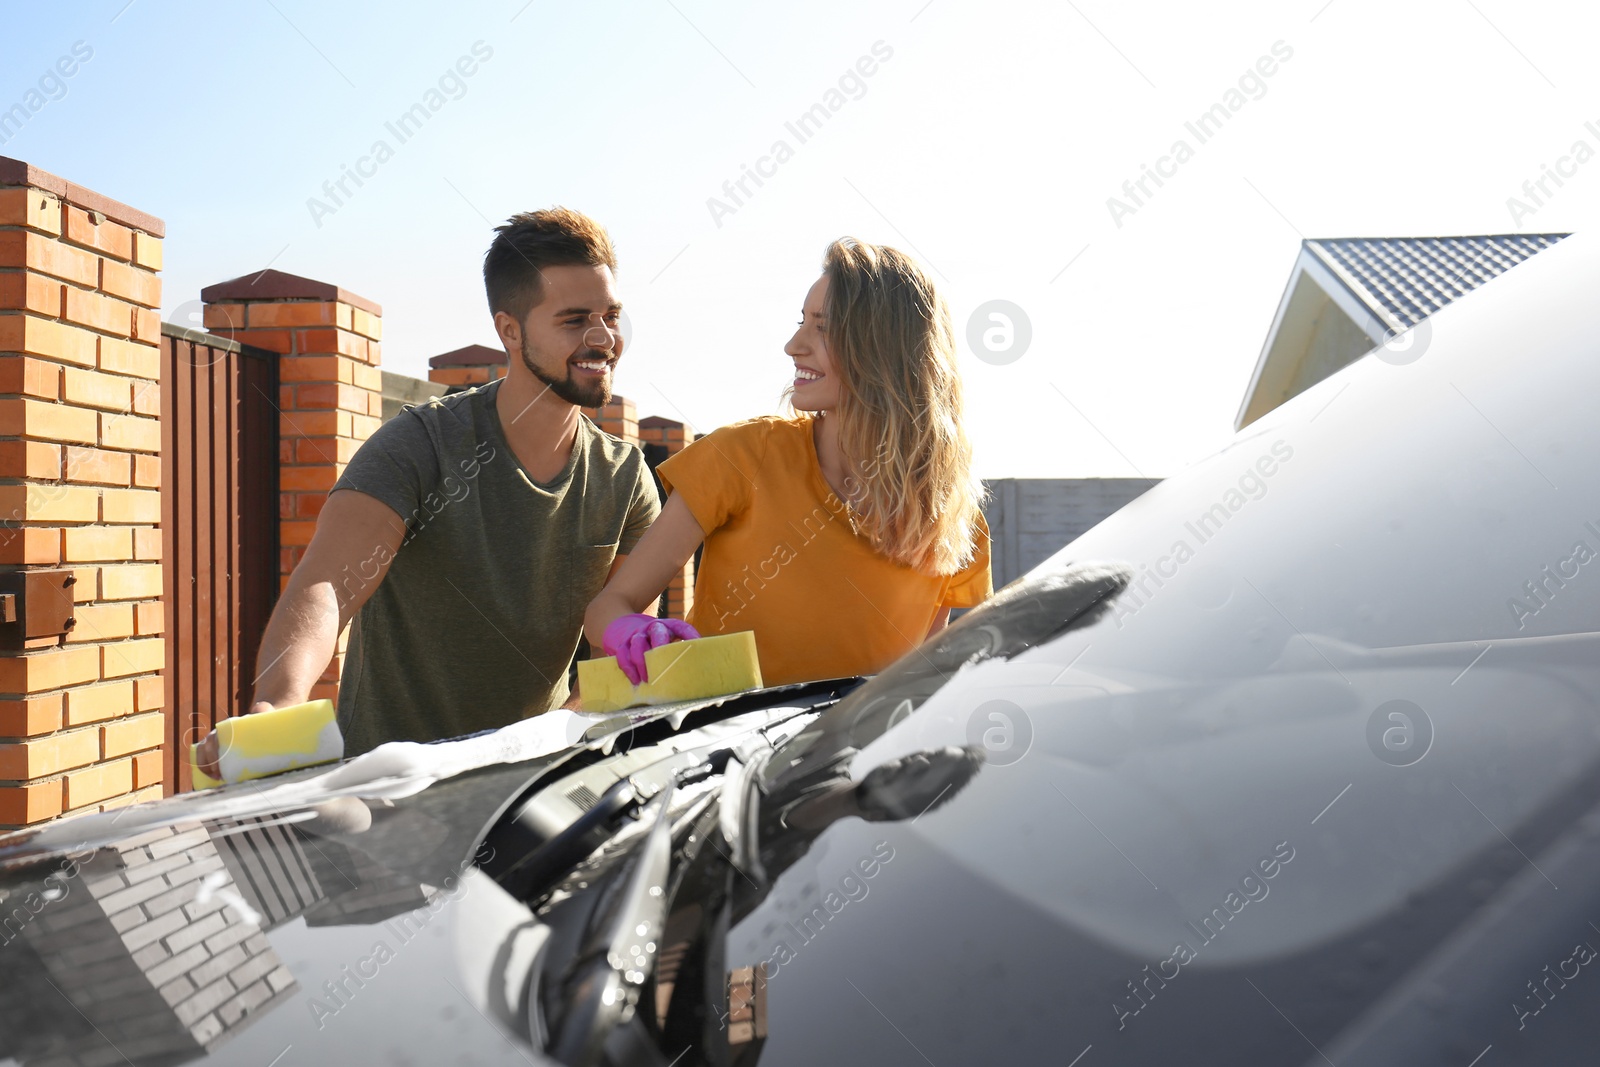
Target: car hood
(1003, 918)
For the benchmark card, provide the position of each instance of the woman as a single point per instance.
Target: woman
(845, 535)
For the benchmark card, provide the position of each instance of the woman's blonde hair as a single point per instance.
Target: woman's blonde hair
(899, 415)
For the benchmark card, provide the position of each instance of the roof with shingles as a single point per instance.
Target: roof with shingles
(1403, 280)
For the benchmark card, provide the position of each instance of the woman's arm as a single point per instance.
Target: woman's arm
(640, 580)
(941, 619)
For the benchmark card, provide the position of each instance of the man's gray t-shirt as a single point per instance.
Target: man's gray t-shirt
(479, 617)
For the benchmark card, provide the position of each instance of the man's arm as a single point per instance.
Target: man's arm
(356, 539)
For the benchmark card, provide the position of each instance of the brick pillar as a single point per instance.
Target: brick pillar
(618, 418)
(469, 366)
(661, 438)
(669, 433)
(81, 722)
(330, 394)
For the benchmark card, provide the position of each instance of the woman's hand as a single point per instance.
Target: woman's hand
(629, 637)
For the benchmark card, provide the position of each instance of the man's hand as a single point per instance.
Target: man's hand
(208, 756)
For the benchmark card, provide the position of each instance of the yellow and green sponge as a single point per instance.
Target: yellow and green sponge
(271, 742)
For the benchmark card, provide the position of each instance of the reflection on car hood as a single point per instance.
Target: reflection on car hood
(391, 771)
(303, 928)
(341, 915)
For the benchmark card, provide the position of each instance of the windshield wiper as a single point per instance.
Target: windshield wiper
(597, 987)
(538, 869)
(619, 954)
(541, 867)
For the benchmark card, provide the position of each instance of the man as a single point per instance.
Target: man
(468, 535)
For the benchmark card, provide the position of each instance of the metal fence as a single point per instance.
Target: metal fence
(1030, 519)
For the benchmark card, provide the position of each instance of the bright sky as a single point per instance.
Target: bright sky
(986, 141)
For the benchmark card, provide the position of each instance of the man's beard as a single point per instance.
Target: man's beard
(591, 396)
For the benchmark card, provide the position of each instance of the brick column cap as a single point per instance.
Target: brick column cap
(658, 422)
(17, 172)
(277, 285)
(470, 356)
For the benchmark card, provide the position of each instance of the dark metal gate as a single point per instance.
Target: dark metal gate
(219, 514)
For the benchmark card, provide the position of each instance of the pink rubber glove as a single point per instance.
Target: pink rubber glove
(629, 637)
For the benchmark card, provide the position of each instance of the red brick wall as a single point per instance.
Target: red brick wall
(618, 418)
(467, 376)
(81, 721)
(672, 436)
(469, 366)
(330, 394)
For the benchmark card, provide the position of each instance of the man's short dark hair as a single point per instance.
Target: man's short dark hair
(530, 241)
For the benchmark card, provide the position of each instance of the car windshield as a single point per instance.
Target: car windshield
(1358, 646)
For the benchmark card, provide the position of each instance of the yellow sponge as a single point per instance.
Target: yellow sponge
(271, 742)
(683, 670)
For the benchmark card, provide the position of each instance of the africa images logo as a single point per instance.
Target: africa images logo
(1253, 889)
(803, 128)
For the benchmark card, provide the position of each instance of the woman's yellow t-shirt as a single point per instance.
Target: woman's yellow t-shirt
(781, 559)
